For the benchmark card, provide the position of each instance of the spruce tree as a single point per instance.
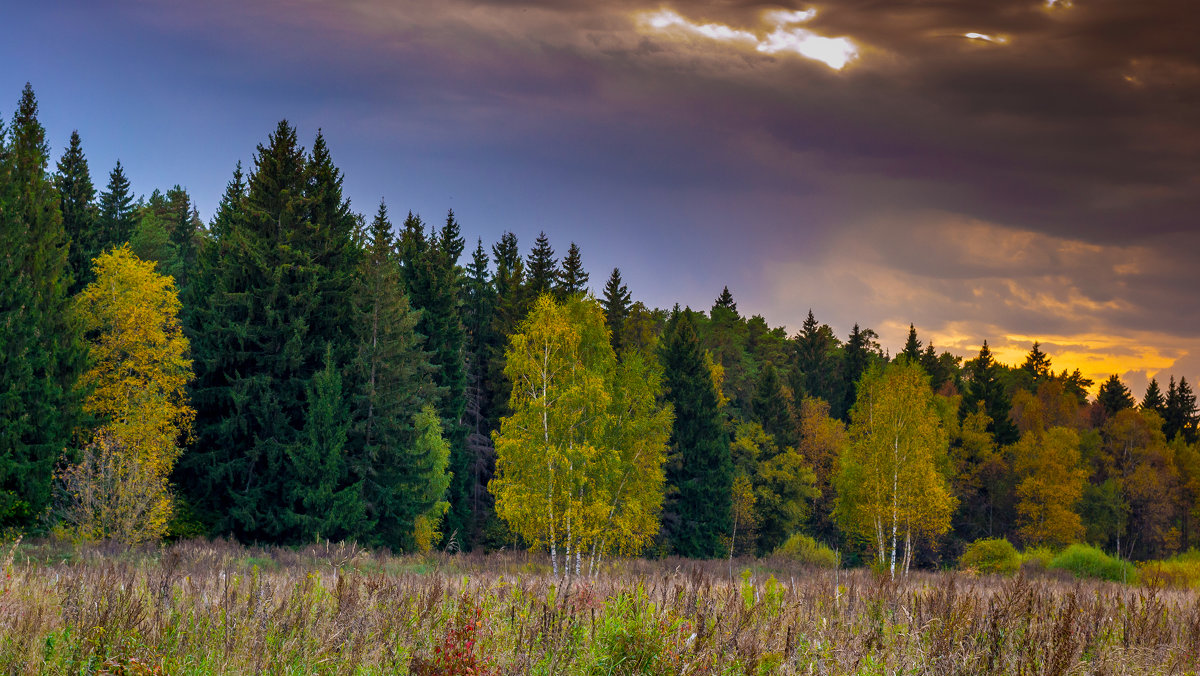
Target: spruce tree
(508, 311)
(817, 364)
(724, 337)
(912, 347)
(320, 500)
(699, 469)
(1114, 397)
(41, 352)
(725, 302)
(856, 358)
(76, 201)
(573, 280)
(1180, 415)
(987, 389)
(771, 407)
(1153, 399)
(1036, 368)
(394, 379)
(478, 314)
(430, 265)
(117, 215)
(616, 307)
(278, 291)
(151, 239)
(542, 267)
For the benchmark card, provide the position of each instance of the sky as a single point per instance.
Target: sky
(1008, 170)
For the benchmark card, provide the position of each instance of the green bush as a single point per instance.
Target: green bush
(991, 555)
(1037, 558)
(1180, 571)
(1087, 561)
(803, 549)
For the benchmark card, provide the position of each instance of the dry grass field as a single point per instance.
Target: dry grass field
(203, 607)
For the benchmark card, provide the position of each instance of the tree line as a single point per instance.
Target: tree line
(293, 370)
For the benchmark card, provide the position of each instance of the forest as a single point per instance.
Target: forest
(294, 372)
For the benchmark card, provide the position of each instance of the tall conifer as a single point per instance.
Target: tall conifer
(76, 200)
(573, 280)
(542, 267)
(117, 215)
(616, 307)
(986, 388)
(699, 469)
(41, 353)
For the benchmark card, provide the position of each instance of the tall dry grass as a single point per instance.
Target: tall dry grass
(204, 607)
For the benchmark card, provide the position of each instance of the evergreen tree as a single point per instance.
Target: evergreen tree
(478, 317)
(76, 200)
(1180, 418)
(724, 338)
(987, 389)
(616, 307)
(1114, 396)
(431, 278)
(321, 502)
(510, 307)
(277, 301)
(912, 347)
(451, 244)
(151, 239)
(816, 364)
(394, 382)
(772, 409)
(573, 280)
(1153, 399)
(725, 302)
(1036, 368)
(186, 231)
(699, 470)
(857, 357)
(41, 352)
(231, 203)
(117, 216)
(543, 268)
(941, 368)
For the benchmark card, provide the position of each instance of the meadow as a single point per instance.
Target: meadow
(215, 607)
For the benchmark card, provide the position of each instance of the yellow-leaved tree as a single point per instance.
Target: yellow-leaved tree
(890, 487)
(139, 369)
(579, 461)
(1051, 486)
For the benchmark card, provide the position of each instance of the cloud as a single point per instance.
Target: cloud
(1099, 308)
(784, 36)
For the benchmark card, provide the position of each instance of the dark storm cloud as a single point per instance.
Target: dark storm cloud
(1045, 185)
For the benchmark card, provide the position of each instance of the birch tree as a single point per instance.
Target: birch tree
(890, 489)
(579, 461)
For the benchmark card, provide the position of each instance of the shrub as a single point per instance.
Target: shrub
(991, 555)
(1181, 571)
(1087, 561)
(1037, 558)
(803, 549)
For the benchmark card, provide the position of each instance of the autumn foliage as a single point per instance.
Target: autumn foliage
(136, 383)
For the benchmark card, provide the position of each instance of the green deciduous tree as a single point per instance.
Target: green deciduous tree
(890, 488)
(578, 467)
